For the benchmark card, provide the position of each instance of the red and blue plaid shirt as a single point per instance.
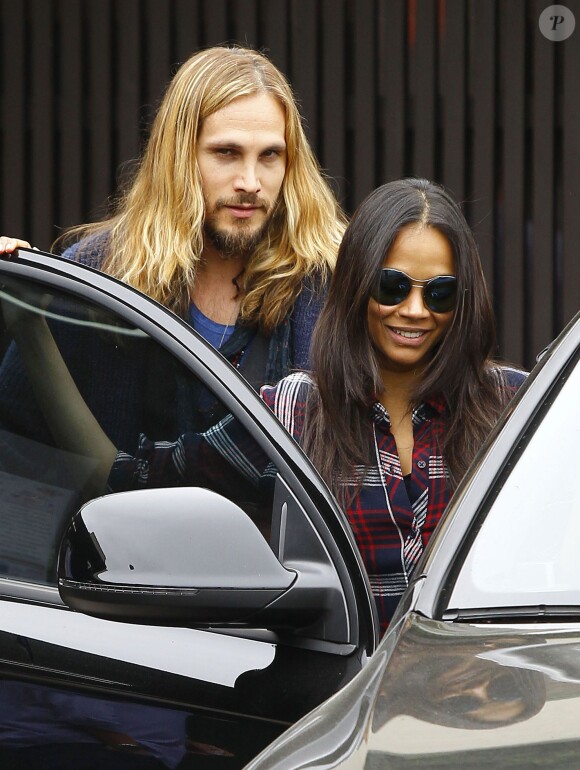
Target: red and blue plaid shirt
(391, 520)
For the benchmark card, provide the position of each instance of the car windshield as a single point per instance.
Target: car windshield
(526, 552)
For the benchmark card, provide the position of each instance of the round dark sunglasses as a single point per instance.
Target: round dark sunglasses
(394, 286)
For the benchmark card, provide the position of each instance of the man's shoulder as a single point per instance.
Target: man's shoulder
(310, 299)
(314, 285)
(90, 250)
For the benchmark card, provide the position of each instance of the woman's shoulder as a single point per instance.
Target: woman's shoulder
(508, 375)
(287, 399)
(514, 377)
(294, 387)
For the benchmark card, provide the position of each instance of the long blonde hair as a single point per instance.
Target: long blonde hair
(155, 238)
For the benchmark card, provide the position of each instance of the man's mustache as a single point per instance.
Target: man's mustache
(245, 199)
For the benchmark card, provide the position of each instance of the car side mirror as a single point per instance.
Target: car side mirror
(191, 556)
(168, 554)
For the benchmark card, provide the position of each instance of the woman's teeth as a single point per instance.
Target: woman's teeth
(409, 335)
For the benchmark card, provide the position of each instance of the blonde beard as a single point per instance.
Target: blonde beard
(234, 245)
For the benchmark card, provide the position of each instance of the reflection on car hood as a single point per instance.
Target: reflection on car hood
(467, 696)
(450, 696)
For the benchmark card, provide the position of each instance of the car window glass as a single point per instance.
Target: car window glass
(149, 405)
(526, 551)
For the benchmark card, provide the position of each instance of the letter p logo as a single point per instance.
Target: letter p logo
(557, 23)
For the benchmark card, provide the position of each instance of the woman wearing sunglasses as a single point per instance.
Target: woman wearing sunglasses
(403, 393)
(404, 389)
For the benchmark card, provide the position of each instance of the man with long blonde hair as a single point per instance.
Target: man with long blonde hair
(229, 220)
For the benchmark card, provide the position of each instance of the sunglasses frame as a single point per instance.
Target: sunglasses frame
(413, 282)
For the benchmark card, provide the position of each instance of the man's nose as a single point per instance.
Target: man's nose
(247, 179)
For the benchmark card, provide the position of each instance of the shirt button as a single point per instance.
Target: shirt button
(421, 464)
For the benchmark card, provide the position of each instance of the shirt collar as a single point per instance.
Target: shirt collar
(433, 406)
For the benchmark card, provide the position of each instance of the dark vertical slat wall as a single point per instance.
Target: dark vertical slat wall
(304, 58)
(215, 13)
(245, 20)
(14, 151)
(510, 207)
(333, 107)
(362, 114)
(157, 55)
(481, 99)
(98, 170)
(570, 164)
(275, 31)
(187, 29)
(129, 65)
(42, 117)
(392, 82)
(451, 136)
(69, 151)
(423, 87)
(540, 216)
(467, 92)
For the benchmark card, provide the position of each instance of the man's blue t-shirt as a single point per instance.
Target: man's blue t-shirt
(216, 334)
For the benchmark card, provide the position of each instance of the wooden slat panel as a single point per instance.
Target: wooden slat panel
(363, 63)
(127, 80)
(187, 29)
(275, 22)
(244, 17)
(157, 60)
(215, 23)
(391, 89)
(570, 299)
(510, 265)
(15, 208)
(41, 114)
(99, 128)
(483, 112)
(333, 118)
(423, 87)
(541, 263)
(453, 97)
(69, 117)
(304, 58)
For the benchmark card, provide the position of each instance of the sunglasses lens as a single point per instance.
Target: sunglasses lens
(392, 288)
(440, 294)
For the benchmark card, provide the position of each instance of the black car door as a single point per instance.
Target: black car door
(206, 689)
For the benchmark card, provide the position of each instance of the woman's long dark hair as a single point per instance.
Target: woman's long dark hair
(337, 435)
